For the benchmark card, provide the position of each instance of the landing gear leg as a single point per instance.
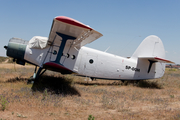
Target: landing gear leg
(42, 72)
(32, 78)
(93, 79)
(39, 73)
(36, 75)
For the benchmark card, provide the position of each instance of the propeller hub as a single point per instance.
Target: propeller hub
(5, 47)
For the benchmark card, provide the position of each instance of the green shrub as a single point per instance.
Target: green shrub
(4, 103)
(2, 59)
(91, 117)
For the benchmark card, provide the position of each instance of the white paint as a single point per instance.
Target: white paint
(105, 65)
(95, 63)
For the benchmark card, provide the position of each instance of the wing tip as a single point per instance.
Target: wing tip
(71, 21)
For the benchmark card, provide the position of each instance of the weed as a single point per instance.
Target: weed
(45, 94)
(21, 116)
(91, 117)
(172, 96)
(4, 103)
(3, 59)
(50, 114)
(66, 113)
(176, 117)
(172, 69)
(109, 102)
(58, 94)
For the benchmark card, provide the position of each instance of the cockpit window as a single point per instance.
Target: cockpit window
(18, 40)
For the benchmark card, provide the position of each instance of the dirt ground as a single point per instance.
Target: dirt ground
(68, 97)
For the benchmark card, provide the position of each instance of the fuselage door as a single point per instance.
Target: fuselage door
(88, 65)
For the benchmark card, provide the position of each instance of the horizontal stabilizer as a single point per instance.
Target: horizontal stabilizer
(157, 59)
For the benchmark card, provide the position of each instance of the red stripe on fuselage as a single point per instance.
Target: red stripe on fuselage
(72, 22)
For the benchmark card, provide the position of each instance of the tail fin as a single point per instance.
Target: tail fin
(150, 56)
(151, 46)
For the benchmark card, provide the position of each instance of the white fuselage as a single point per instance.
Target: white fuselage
(64, 51)
(109, 66)
(97, 64)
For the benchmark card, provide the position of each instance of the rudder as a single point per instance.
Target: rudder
(151, 46)
(150, 57)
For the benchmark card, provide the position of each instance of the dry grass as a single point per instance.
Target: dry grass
(70, 97)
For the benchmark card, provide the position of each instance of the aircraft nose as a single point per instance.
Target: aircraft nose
(16, 49)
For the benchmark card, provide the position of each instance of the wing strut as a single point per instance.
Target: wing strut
(58, 58)
(63, 43)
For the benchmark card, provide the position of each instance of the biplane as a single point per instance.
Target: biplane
(64, 51)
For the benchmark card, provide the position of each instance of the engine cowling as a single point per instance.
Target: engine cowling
(16, 49)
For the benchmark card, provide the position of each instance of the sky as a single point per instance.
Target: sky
(123, 23)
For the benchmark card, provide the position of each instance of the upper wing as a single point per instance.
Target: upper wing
(157, 59)
(68, 26)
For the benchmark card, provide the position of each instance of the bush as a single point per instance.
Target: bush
(4, 103)
(91, 117)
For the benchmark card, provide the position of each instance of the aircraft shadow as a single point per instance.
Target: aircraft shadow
(16, 79)
(149, 84)
(97, 83)
(141, 84)
(55, 85)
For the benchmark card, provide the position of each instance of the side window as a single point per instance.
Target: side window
(91, 61)
(73, 57)
(55, 52)
(66, 55)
